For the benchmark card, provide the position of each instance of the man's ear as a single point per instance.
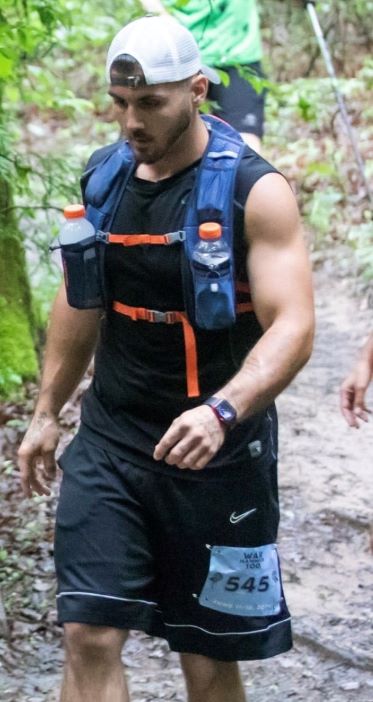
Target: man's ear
(199, 88)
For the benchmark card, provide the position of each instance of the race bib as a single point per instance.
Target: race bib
(243, 581)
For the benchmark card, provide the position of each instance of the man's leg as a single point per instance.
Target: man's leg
(93, 668)
(208, 680)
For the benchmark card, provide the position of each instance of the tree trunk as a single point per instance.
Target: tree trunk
(18, 359)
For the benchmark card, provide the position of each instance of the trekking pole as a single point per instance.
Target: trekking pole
(310, 4)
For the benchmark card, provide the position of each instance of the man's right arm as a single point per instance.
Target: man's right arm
(71, 340)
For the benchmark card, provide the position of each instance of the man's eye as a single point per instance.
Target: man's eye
(119, 102)
(150, 103)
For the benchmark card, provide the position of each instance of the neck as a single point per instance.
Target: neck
(188, 149)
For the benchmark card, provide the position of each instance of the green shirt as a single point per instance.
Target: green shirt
(226, 31)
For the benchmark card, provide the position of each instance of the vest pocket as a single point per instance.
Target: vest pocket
(214, 298)
(82, 273)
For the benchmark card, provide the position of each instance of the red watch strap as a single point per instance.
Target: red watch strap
(217, 415)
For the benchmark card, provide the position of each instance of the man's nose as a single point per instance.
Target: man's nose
(133, 120)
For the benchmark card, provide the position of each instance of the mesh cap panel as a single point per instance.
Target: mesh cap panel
(165, 50)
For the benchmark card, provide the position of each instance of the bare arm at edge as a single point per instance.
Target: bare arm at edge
(354, 387)
(71, 340)
(280, 279)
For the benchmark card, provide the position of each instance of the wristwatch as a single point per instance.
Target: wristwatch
(223, 410)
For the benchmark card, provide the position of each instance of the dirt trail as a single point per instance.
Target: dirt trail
(326, 487)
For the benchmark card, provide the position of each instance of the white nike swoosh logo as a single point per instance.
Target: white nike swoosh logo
(234, 518)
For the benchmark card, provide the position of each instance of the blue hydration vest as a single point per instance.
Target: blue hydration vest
(207, 306)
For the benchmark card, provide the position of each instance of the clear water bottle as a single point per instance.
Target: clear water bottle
(76, 227)
(213, 279)
(211, 253)
(80, 259)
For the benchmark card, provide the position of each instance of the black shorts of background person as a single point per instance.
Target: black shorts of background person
(240, 104)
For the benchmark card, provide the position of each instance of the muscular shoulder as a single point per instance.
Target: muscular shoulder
(271, 211)
(251, 169)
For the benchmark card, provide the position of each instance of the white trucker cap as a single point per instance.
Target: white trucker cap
(166, 51)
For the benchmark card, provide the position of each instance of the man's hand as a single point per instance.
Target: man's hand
(192, 440)
(36, 455)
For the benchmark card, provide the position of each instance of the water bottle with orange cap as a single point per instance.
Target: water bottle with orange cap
(213, 279)
(78, 243)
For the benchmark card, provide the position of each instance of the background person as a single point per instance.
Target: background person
(160, 481)
(228, 35)
(229, 38)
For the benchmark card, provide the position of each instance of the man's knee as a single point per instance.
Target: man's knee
(203, 674)
(88, 644)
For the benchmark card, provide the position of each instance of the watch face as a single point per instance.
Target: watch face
(227, 414)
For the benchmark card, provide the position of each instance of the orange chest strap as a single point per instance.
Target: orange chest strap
(141, 239)
(172, 317)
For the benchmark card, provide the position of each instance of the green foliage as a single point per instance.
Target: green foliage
(259, 83)
(308, 142)
(26, 27)
(16, 350)
(50, 50)
(44, 46)
(366, 73)
(291, 48)
(361, 237)
(17, 353)
(321, 210)
(224, 76)
(178, 4)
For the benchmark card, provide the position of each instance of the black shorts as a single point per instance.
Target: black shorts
(183, 559)
(239, 104)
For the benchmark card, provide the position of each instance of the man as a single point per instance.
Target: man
(168, 510)
(355, 386)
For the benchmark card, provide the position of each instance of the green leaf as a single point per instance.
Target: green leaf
(321, 168)
(323, 209)
(6, 66)
(224, 77)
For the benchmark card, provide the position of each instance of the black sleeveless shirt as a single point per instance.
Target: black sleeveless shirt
(139, 383)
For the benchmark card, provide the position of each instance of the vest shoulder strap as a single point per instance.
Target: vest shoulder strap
(104, 182)
(212, 197)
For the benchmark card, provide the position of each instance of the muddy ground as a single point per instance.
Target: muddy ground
(326, 484)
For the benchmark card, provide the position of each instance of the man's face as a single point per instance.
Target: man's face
(154, 118)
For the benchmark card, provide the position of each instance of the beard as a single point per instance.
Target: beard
(150, 150)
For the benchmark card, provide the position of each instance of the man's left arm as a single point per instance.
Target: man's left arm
(281, 287)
